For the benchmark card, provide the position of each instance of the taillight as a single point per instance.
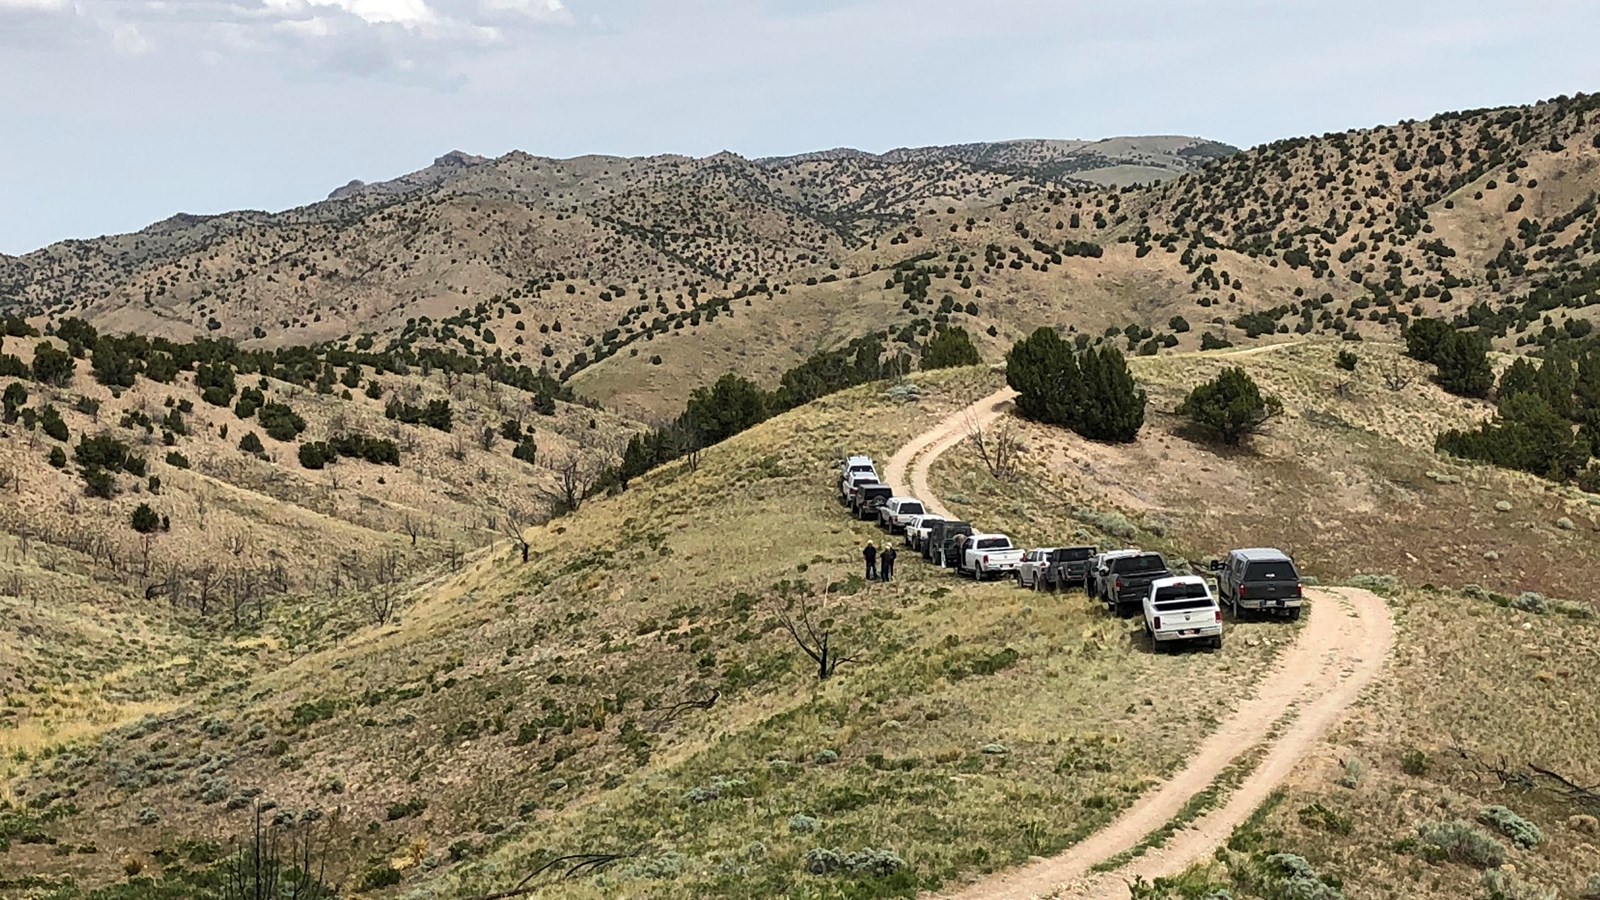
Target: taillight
(1241, 590)
(1156, 624)
(986, 559)
(1117, 585)
(1219, 617)
(1297, 592)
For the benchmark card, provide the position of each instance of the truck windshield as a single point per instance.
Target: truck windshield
(1139, 565)
(994, 544)
(1280, 570)
(1183, 592)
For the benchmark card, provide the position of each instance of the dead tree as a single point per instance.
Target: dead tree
(572, 486)
(815, 638)
(515, 524)
(1395, 377)
(413, 528)
(576, 864)
(997, 449)
(671, 712)
(275, 861)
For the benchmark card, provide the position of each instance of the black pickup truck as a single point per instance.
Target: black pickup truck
(868, 498)
(1069, 568)
(1127, 582)
(939, 548)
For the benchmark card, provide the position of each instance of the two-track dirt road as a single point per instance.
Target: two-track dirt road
(1342, 647)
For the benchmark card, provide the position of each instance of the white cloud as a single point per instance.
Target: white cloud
(537, 10)
(127, 40)
(34, 5)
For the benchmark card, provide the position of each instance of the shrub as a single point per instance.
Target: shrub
(1347, 360)
(57, 458)
(526, 450)
(51, 423)
(949, 347)
(825, 757)
(280, 422)
(1462, 842)
(1318, 816)
(1231, 405)
(379, 876)
(1523, 833)
(1289, 876)
(251, 443)
(715, 790)
(1591, 891)
(1501, 884)
(147, 816)
(144, 519)
(12, 402)
(1415, 763)
(803, 824)
(314, 454)
(1178, 324)
(177, 460)
(867, 862)
(1463, 361)
(406, 810)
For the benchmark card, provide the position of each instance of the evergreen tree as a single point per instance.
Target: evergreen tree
(949, 347)
(51, 366)
(1520, 378)
(1231, 405)
(1113, 405)
(1424, 337)
(144, 519)
(728, 407)
(1463, 360)
(12, 402)
(1526, 435)
(1043, 370)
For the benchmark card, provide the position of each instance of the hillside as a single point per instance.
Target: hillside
(597, 267)
(513, 713)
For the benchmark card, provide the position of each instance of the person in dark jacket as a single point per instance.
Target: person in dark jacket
(870, 554)
(886, 561)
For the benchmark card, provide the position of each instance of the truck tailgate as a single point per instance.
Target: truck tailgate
(1171, 621)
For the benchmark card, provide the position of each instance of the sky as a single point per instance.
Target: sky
(115, 114)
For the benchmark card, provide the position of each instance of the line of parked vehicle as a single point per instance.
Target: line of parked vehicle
(1177, 606)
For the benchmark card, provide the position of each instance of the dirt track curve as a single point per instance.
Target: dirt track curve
(1342, 648)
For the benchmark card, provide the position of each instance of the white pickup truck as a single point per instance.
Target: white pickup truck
(1182, 609)
(917, 529)
(987, 555)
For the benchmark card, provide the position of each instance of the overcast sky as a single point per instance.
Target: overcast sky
(118, 113)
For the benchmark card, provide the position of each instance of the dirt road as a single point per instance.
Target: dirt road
(1342, 648)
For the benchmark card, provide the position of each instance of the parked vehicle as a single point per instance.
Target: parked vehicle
(984, 556)
(1259, 579)
(868, 499)
(857, 463)
(1180, 609)
(1031, 570)
(1067, 567)
(1098, 569)
(1127, 580)
(898, 512)
(852, 481)
(917, 529)
(939, 548)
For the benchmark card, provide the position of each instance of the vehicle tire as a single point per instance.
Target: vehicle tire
(1216, 642)
(1018, 575)
(1294, 614)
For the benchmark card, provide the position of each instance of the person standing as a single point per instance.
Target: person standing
(870, 554)
(886, 561)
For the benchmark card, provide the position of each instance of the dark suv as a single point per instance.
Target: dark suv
(1069, 567)
(939, 549)
(1259, 579)
(868, 498)
(1127, 581)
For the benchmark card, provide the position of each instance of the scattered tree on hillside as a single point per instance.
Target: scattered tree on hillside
(814, 638)
(12, 402)
(51, 366)
(514, 523)
(1231, 406)
(1091, 392)
(1463, 360)
(144, 519)
(949, 347)
(1527, 435)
